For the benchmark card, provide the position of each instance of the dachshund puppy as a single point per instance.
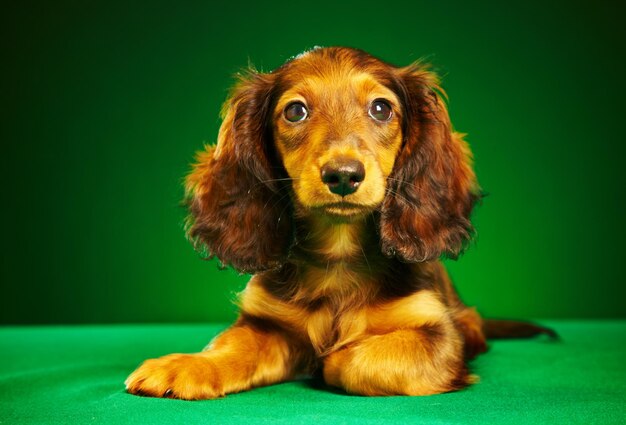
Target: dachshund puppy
(338, 182)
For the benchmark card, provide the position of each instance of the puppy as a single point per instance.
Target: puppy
(338, 182)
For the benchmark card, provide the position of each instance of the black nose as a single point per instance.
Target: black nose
(343, 177)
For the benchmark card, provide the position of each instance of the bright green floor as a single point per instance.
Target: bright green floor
(76, 375)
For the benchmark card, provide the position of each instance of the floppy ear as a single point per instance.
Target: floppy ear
(239, 210)
(432, 189)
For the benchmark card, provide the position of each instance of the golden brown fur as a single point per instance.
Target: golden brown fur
(347, 285)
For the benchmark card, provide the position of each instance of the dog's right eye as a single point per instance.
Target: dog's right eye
(295, 112)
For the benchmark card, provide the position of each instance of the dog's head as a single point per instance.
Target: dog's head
(340, 134)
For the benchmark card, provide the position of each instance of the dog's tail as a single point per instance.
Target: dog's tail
(497, 329)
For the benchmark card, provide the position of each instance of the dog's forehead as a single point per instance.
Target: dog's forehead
(334, 83)
(328, 72)
(331, 64)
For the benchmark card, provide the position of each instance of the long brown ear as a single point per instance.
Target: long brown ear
(240, 211)
(432, 188)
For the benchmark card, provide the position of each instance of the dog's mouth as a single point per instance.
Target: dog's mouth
(344, 209)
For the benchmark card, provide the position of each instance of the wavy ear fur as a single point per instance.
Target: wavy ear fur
(239, 210)
(432, 188)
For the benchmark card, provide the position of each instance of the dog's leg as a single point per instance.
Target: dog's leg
(419, 361)
(470, 324)
(244, 356)
(466, 319)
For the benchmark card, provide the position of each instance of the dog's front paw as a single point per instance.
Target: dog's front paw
(185, 376)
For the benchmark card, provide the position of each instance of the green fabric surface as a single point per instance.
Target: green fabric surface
(76, 374)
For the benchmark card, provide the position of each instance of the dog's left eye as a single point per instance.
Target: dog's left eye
(295, 112)
(380, 110)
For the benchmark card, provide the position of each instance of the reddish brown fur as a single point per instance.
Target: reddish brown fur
(434, 172)
(355, 292)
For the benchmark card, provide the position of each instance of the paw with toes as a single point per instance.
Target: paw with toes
(184, 376)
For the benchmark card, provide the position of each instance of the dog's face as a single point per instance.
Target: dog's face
(338, 131)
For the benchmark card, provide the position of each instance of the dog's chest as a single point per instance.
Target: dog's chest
(329, 329)
(339, 315)
(338, 287)
(336, 280)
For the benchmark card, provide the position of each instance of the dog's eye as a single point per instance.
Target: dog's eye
(380, 110)
(295, 112)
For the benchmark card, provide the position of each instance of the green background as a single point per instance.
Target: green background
(105, 103)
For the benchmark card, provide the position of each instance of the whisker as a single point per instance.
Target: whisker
(280, 215)
(275, 203)
(260, 182)
(278, 180)
(406, 182)
(364, 256)
(403, 197)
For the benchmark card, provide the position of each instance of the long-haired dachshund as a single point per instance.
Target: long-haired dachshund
(338, 181)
